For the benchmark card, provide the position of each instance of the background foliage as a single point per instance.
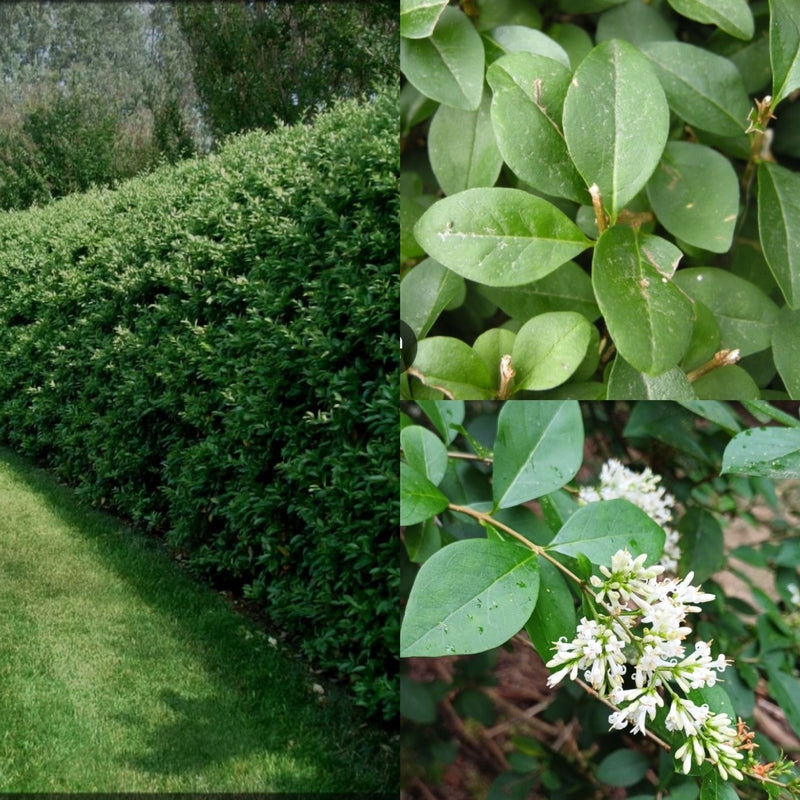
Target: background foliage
(470, 469)
(678, 279)
(207, 351)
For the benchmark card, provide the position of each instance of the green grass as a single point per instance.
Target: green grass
(118, 672)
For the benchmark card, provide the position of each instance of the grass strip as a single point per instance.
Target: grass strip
(118, 672)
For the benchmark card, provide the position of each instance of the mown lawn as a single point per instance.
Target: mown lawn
(120, 673)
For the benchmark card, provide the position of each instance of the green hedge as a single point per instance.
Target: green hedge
(210, 350)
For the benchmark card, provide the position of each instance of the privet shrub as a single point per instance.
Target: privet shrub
(206, 350)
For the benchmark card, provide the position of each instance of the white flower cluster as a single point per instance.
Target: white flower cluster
(639, 622)
(641, 489)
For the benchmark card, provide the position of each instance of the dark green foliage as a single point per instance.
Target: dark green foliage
(210, 350)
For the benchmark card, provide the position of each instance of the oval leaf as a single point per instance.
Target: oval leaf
(418, 18)
(469, 597)
(732, 16)
(786, 350)
(616, 121)
(695, 195)
(779, 227)
(771, 452)
(627, 383)
(462, 148)
(539, 448)
(448, 65)
(554, 615)
(784, 48)
(598, 530)
(499, 237)
(746, 316)
(450, 364)
(649, 318)
(528, 96)
(419, 498)
(549, 348)
(425, 291)
(425, 452)
(702, 88)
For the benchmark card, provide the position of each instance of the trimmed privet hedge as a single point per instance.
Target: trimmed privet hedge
(210, 351)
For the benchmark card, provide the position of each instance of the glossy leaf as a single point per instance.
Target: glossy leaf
(727, 383)
(786, 350)
(771, 452)
(418, 18)
(695, 195)
(616, 121)
(528, 96)
(539, 448)
(523, 39)
(499, 237)
(554, 615)
(568, 288)
(705, 338)
(425, 452)
(784, 48)
(419, 498)
(732, 16)
(649, 318)
(598, 530)
(445, 415)
(469, 597)
(702, 88)
(786, 690)
(452, 365)
(779, 227)
(425, 291)
(462, 149)
(746, 316)
(702, 544)
(623, 768)
(448, 65)
(713, 787)
(635, 22)
(549, 348)
(627, 383)
(491, 346)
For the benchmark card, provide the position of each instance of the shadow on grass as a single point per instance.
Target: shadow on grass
(260, 701)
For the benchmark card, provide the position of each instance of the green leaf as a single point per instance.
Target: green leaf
(499, 237)
(713, 787)
(623, 768)
(786, 350)
(538, 449)
(462, 149)
(635, 22)
(786, 691)
(452, 365)
(444, 414)
(425, 452)
(598, 530)
(732, 16)
(705, 338)
(746, 316)
(528, 98)
(784, 48)
(703, 89)
(649, 318)
(771, 452)
(627, 383)
(718, 413)
(554, 615)
(491, 346)
(469, 597)
(779, 227)
(727, 383)
(616, 121)
(695, 195)
(425, 291)
(549, 348)
(419, 498)
(669, 423)
(418, 18)
(567, 288)
(448, 65)
(702, 544)
(524, 39)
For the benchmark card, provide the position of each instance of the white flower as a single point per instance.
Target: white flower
(641, 489)
(712, 738)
